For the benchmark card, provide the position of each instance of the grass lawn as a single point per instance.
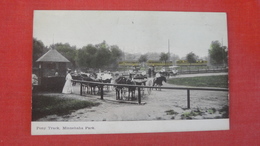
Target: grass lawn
(47, 105)
(220, 81)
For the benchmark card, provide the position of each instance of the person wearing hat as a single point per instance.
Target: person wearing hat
(68, 84)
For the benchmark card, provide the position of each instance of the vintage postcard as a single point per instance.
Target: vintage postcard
(97, 72)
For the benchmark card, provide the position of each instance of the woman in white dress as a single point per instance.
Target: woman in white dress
(68, 84)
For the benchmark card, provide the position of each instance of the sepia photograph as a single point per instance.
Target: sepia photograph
(129, 72)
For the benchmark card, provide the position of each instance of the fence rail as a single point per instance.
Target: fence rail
(140, 86)
(200, 69)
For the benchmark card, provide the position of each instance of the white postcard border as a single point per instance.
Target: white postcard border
(66, 128)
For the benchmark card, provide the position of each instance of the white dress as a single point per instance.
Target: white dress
(68, 85)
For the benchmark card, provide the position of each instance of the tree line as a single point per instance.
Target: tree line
(90, 56)
(218, 55)
(107, 56)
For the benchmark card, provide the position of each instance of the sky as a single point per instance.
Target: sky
(133, 31)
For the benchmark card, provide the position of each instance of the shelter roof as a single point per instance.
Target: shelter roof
(52, 56)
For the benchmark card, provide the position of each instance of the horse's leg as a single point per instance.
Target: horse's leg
(121, 95)
(133, 94)
(116, 94)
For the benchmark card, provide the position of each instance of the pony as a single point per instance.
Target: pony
(120, 89)
(91, 87)
(131, 90)
(158, 81)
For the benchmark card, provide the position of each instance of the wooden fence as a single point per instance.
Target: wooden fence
(139, 87)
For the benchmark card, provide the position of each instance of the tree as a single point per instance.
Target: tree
(191, 57)
(103, 45)
(81, 58)
(103, 55)
(164, 57)
(99, 56)
(38, 50)
(143, 58)
(86, 57)
(217, 53)
(116, 56)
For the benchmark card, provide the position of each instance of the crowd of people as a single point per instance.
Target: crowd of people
(67, 88)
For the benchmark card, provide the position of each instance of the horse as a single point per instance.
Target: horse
(158, 81)
(119, 89)
(131, 90)
(92, 86)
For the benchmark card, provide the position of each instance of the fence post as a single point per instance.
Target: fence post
(101, 94)
(80, 89)
(188, 98)
(139, 95)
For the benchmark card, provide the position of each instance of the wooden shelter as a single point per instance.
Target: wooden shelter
(52, 70)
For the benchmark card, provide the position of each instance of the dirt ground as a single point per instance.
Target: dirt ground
(159, 105)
